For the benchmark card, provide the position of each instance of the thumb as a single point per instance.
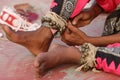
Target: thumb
(76, 19)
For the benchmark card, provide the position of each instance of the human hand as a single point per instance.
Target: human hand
(74, 36)
(86, 16)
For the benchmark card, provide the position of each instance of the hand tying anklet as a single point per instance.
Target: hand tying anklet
(54, 22)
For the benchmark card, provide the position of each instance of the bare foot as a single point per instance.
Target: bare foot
(35, 41)
(56, 56)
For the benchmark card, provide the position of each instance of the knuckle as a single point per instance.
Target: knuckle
(63, 39)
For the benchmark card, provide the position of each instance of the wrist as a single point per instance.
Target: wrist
(85, 39)
(98, 41)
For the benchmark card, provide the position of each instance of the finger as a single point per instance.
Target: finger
(63, 37)
(67, 31)
(36, 62)
(71, 27)
(76, 19)
(83, 23)
(65, 41)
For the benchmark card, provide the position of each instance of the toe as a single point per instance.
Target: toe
(7, 30)
(40, 65)
(36, 64)
(39, 60)
(10, 34)
(41, 70)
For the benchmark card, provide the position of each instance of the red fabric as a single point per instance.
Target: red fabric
(108, 5)
(102, 64)
(114, 45)
(79, 6)
(102, 61)
(53, 4)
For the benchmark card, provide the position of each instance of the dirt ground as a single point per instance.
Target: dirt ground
(16, 62)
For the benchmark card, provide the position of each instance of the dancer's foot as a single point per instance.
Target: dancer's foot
(56, 56)
(35, 41)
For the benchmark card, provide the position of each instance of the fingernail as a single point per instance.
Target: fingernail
(73, 23)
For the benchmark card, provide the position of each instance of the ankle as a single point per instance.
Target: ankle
(75, 54)
(47, 31)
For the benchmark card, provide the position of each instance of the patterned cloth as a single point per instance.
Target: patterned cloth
(68, 8)
(101, 58)
(112, 24)
(108, 5)
(108, 59)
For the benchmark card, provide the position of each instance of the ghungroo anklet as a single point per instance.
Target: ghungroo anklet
(87, 60)
(54, 21)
